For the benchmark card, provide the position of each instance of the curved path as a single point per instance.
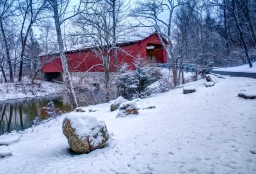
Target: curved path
(235, 74)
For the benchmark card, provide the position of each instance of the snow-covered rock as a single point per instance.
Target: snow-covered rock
(79, 109)
(247, 95)
(7, 140)
(116, 103)
(5, 151)
(84, 133)
(209, 84)
(127, 108)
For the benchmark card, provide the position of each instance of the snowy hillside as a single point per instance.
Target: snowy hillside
(209, 131)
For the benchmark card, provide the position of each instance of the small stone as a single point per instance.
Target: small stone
(79, 110)
(150, 107)
(128, 108)
(93, 110)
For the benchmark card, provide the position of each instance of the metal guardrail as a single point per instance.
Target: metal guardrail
(188, 67)
(235, 74)
(163, 65)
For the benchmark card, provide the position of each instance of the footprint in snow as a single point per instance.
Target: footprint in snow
(171, 153)
(253, 152)
(249, 160)
(192, 170)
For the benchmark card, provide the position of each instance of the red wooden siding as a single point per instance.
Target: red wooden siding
(86, 60)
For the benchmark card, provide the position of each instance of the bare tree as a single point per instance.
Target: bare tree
(234, 11)
(150, 14)
(226, 27)
(239, 21)
(2, 63)
(6, 10)
(32, 54)
(30, 11)
(100, 24)
(55, 7)
(96, 25)
(116, 8)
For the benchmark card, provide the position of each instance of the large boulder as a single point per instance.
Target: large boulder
(84, 133)
(116, 103)
(127, 108)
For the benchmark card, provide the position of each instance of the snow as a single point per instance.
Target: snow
(118, 101)
(130, 105)
(242, 68)
(189, 88)
(211, 131)
(249, 93)
(86, 126)
(209, 84)
(5, 151)
(10, 91)
(7, 140)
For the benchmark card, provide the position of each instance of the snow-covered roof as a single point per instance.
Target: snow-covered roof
(82, 47)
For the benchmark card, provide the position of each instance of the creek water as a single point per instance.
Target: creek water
(24, 113)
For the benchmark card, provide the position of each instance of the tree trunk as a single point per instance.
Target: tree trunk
(107, 86)
(7, 51)
(21, 65)
(174, 72)
(107, 78)
(23, 46)
(114, 35)
(225, 26)
(3, 73)
(66, 73)
(251, 23)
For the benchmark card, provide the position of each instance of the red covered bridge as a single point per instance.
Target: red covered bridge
(86, 60)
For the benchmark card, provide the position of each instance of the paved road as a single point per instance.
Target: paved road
(236, 74)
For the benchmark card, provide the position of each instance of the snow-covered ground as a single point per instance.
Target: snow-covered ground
(26, 90)
(242, 68)
(209, 131)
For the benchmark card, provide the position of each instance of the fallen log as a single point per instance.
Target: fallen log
(187, 90)
(247, 96)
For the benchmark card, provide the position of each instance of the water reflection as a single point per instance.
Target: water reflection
(23, 113)
(20, 114)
